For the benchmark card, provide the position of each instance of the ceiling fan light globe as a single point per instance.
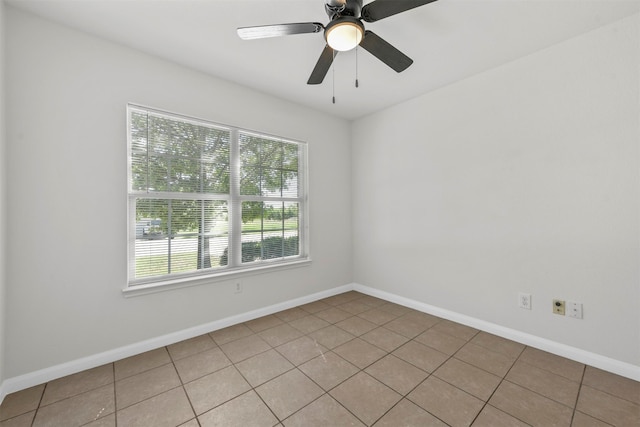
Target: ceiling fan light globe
(344, 36)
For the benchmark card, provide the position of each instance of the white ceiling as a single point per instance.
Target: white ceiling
(448, 40)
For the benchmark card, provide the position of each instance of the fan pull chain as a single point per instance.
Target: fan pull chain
(356, 66)
(333, 73)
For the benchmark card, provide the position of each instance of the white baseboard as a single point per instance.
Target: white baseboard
(21, 382)
(31, 379)
(588, 358)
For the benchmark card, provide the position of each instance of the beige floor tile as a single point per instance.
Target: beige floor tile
(421, 356)
(408, 414)
(21, 402)
(412, 324)
(377, 316)
(448, 403)
(191, 423)
(108, 421)
(496, 363)
(492, 417)
(24, 420)
(384, 338)
(545, 383)
(355, 307)
(395, 309)
(309, 324)
(498, 344)
(215, 389)
(141, 362)
(232, 333)
(333, 315)
(608, 408)
(530, 407)
(556, 364)
(314, 307)
(140, 387)
(201, 364)
(322, 412)
(367, 398)
(583, 420)
(474, 381)
(456, 330)
(426, 319)
(288, 393)
(342, 298)
(359, 352)
(291, 314)
(300, 350)
(244, 348)
(280, 334)
(262, 323)
(331, 336)
(371, 301)
(168, 409)
(328, 370)
(246, 410)
(356, 325)
(190, 347)
(621, 387)
(77, 383)
(263, 367)
(397, 374)
(441, 341)
(77, 410)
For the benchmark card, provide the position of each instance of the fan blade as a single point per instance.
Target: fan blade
(385, 52)
(380, 9)
(264, 31)
(322, 66)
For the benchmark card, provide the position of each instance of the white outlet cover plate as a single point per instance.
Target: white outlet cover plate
(524, 301)
(574, 309)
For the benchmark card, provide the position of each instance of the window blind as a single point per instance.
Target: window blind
(206, 198)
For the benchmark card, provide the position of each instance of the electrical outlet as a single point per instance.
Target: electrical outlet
(524, 301)
(574, 309)
(558, 306)
(237, 287)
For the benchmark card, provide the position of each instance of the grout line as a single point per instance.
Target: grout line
(35, 414)
(502, 379)
(115, 399)
(575, 406)
(184, 390)
(253, 388)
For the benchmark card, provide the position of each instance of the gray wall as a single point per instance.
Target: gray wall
(66, 198)
(3, 159)
(521, 179)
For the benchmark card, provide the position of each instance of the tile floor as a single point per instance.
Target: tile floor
(347, 360)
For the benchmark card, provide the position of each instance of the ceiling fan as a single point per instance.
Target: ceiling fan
(344, 32)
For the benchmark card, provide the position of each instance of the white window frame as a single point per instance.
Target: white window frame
(235, 268)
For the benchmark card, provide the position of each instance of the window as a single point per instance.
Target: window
(209, 200)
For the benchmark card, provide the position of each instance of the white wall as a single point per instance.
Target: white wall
(521, 179)
(66, 197)
(2, 198)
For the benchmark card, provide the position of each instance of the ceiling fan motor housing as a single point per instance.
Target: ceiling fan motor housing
(338, 8)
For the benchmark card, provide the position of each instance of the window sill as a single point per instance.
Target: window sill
(168, 285)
